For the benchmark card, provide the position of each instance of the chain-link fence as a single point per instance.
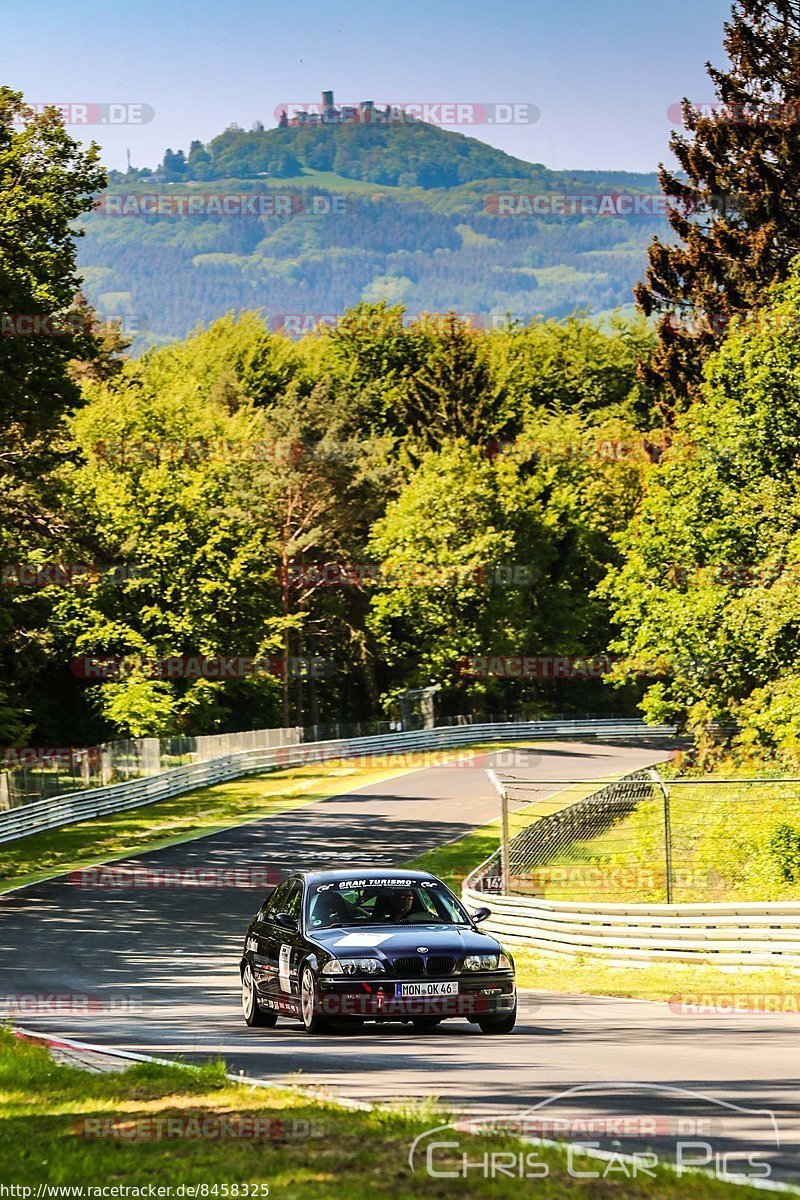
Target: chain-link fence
(35, 773)
(334, 730)
(642, 839)
(38, 773)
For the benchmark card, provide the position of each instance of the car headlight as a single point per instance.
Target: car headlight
(487, 962)
(353, 966)
(481, 962)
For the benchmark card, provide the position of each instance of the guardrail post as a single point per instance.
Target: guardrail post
(667, 830)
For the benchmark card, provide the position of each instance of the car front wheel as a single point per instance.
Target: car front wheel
(499, 1024)
(253, 1015)
(309, 1003)
(425, 1024)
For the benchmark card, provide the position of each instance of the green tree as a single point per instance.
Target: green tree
(215, 487)
(377, 352)
(439, 546)
(314, 502)
(451, 395)
(500, 556)
(46, 182)
(709, 582)
(572, 365)
(161, 445)
(173, 167)
(734, 203)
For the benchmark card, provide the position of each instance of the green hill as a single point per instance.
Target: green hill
(403, 213)
(408, 155)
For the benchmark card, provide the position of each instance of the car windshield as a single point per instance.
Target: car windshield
(383, 902)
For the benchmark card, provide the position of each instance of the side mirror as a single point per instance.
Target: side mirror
(481, 914)
(286, 922)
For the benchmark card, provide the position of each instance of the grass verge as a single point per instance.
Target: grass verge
(166, 822)
(60, 1125)
(688, 988)
(180, 818)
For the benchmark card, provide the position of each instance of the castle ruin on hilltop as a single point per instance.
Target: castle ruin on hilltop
(364, 113)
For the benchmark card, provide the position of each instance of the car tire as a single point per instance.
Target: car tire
(499, 1024)
(309, 1003)
(253, 1015)
(425, 1024)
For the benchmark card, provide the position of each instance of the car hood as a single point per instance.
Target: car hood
(393, 940)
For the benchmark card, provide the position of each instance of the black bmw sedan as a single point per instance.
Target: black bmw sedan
(373, 945)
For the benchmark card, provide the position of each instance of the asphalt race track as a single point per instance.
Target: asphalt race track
(154, 970)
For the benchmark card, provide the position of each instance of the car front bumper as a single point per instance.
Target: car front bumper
(377, 999)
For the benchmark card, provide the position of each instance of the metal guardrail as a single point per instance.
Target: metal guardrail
(30, 774)
(81, 806)
(765, 934)
(753, 934)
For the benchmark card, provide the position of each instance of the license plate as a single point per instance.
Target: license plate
(426, 989)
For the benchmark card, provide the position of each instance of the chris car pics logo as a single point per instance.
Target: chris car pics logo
(608, 1130)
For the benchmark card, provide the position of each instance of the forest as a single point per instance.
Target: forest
(242, 527)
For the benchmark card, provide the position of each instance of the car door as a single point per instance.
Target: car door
(277, 944)
(262, 942)
(290, 943)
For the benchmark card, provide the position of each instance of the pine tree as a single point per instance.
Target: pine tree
(451, 394)
(735, 201)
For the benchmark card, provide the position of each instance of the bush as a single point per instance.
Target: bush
(784, 846)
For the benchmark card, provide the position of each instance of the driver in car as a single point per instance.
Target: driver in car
(399, 905)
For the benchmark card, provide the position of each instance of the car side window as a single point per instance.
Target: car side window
(293, 901)
(274, 903)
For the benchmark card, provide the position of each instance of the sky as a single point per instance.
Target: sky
(602, 74)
